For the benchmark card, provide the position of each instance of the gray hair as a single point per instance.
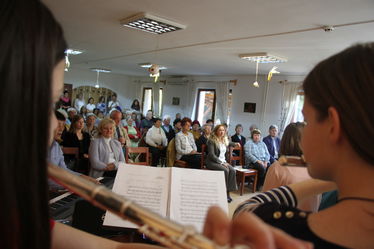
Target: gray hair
(273, 126)
(166, 117)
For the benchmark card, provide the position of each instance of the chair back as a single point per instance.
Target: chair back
(233, 158)
(171, 153)
(138, 150)
(71, 151)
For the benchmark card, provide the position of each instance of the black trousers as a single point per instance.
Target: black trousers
(261, 172)
(194, 161)
(156, 154)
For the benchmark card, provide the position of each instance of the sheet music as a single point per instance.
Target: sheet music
(147, 186)
(193, 192)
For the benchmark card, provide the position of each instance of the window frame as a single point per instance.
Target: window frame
(198, 102)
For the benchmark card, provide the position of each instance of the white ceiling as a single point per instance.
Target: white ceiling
(217, 32)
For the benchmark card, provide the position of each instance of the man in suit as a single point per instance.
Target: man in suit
(272, 143)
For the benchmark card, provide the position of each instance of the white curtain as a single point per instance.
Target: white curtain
(290, 91)
(222, 95)
(191, 99)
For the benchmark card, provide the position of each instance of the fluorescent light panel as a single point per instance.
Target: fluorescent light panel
(101, 70)
(262, 58)
(151, 24)
(148, 65)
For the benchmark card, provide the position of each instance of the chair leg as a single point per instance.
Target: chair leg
(255, 183)
(242, 184)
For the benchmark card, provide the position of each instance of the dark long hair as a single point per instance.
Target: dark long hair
(31, 44)
(290, 143)
(345, 81)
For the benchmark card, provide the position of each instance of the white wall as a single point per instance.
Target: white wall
(125, 88)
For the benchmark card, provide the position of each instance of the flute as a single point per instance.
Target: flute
(165, 231)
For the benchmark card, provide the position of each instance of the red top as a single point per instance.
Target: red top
(132, 136)
(51, 224)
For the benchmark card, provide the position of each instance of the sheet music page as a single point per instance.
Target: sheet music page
(193, 191)
(147, 186)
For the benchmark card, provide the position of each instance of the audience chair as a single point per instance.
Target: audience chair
(138, 150)
(234, 158)
(71, 151)
(170, 155)
(74, 151)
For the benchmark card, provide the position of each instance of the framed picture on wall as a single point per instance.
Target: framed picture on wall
(175, 101)
(250, 107)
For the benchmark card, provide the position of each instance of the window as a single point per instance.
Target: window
(206, 105)
(160, 92)
(147, 100)
(298, 115)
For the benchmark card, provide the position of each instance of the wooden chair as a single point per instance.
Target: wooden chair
(170, 155)
(203, 150)
(74, 151)
(242, 174)
(138, 150)
(233, 158)
(71, 151)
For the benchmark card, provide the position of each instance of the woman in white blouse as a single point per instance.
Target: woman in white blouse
(186, 147)
(79, 102)
(105, 152)
(157, 141)
(90, 106)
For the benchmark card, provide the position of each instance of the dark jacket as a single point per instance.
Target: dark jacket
(169, 135)
(269, 144)
(202, 140)
(71, 140)
(236, 139)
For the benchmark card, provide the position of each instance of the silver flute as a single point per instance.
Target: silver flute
(165, 231)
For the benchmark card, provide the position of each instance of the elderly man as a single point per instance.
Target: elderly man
(272, 142)
(120, 133)
(168, 129)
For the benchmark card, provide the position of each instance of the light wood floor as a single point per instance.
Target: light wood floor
(237, 199)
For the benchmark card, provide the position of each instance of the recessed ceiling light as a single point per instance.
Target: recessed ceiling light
(262, 58)
(71, 51)
(151, 24)
(148, 65)
(101, 70)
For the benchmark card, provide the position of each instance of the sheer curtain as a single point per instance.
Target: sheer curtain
(191, 96)
(222, 96)
(289, 96)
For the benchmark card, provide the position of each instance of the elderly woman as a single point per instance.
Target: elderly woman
(196, 132)
(105, 151)
(90, 127)
(216, 159)
(257, 155)
(207, 130)
(157, 141)
(133, 132)
(186, 147)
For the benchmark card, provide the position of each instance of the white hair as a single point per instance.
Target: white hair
(166, 117)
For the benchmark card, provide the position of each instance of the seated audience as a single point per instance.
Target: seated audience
(272, 142)
(71, 113)
(114, 104)
(169, 131)
(257, 156)
(105, 152)
(65, 101)
(207, 130)
(90, 106)
(177, 125)
(216, 158)
(101, 105)
(133, 132)
(178, 116)
(147, 122)
(238, 138)
(83, 112)
(157, 141)
(196, 132)
(210, 122)
(251, 128)
(79, 102)
(279, 175)
(135, 105)
(119, 132)
(186, 147)
(90, 126)
(136, 122)
(76, 137)
(56, 156)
